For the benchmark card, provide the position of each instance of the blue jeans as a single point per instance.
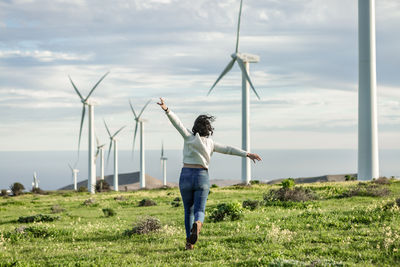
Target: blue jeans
(194, 185)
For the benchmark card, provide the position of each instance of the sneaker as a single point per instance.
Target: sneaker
(188, 245)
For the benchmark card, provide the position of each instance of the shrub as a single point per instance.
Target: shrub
(288, 183)
(214, 186)
(82, 189)
(232, 210)
(102, 186)
(297, 194)
(145, 226)
(382, 181)
(119, 198)
(17, 189)
(250, 204)
(108, 212)
(254, 182)
(4, 192)
(89, 202)
(38, 191)
(176, 202)
(57, 209)
(147, 202)
(398, 201)
(37, 218)
(366, 190)
(350, 178)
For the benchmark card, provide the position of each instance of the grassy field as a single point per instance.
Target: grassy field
(329, 231)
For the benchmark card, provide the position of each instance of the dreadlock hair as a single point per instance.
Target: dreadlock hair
(202, 125)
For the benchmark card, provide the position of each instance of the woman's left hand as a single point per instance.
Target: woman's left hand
(162, 104)
(253, 157)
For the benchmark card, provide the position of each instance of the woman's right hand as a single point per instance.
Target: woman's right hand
(253, 157)
(162, 104)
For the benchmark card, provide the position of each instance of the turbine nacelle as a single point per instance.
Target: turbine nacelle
(245, 57)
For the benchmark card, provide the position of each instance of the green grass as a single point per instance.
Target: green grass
(332, 231)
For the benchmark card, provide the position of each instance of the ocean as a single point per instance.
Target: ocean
(53, 171)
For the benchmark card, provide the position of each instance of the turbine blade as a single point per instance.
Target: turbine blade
(76, 89)
(162, 149)
(140, 114)
(108, 131)
(109, 151)
(97, 154)
(244, 71)
(97, 141)
(70, 167)
(134, 113)
(225, 71)
(238, 27)
(94, 87)
(118, 131)
(80, 129)
(134, 137)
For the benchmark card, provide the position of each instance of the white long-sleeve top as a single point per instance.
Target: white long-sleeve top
(198, 149)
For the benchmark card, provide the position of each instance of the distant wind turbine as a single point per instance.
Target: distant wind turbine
(86, 102)
(164, 165)
(113, 140)
(100, 151)
(243, 60)
(74, 176)
(35, 183)
(140, 121)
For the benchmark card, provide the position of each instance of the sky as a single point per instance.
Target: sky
(307, 75)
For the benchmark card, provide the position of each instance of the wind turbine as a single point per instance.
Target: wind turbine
(164, 165)
(140, 121)
(35, 183)
(243, 60)
(74, 176)
(86, 102)
(100, 151)
(114, 140)
(368, 158)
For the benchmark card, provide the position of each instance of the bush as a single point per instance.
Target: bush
(288, 183)
(57, 209)
(145, 226)
(108, 212)
(254, 182)
(232, 210)
(37, 218)
(89, 202)
(214, 186)
(102, 186)
(82, 189)
(366, 190)
(176, 202)
(147, 202)
(4, 192)
(350, 178)
(382, 181)
(250, 204)
(398, 202)
(17, 189)
(297, 194)
(38, 191)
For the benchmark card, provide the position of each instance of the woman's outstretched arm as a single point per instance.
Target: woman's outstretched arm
(230, 150)
(174, 119)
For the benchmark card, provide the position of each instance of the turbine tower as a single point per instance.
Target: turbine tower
(35, 183)
(100, 151)
(113, 140)
(86, 102)
(140, 121)
(368, 158)
(164, 165)
(243, 60)
(74, 176)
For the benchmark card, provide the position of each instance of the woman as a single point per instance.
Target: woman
(194, 183)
